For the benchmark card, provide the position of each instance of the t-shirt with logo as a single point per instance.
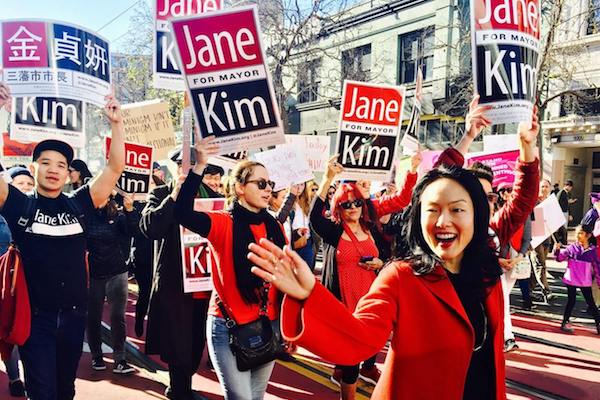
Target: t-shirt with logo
(52, 244)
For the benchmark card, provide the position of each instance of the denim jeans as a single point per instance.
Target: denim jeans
(236, 385)
(12, 365)
(114, 289)
(307, 253)
(51, 354)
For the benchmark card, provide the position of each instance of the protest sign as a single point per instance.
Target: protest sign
(410, 141)
(548, 218)
(34, 119)
(430, 157)
(138, 169)
(369, 128)
(55, 59)
(286, 165)
(15, 152)
(149, 122)
(505, 37)
(228, 161)
(502, 164)
(498, 143)
(316, 148)
(197, 253)
(226, 74)
(167, 74)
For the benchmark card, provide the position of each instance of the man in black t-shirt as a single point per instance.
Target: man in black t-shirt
(48, 227)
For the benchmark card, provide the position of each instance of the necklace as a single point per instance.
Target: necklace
(477, 348)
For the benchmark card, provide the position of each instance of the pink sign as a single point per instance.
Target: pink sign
(503, 164)
(24, 45)
(430, 157)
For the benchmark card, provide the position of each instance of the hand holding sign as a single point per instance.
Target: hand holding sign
(204, 148)
(476, 120)
(112, 109)
(528, 131)
(415, 161)
(5, 97)
(333, 167)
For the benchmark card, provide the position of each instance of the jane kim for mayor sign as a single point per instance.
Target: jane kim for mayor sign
(505, 42)
(223, 61)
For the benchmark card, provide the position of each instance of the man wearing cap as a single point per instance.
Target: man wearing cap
(48, 227)
(176, 320)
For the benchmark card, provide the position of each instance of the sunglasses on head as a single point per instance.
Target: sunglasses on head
(346, 205)
(492, 197)
(262, 184)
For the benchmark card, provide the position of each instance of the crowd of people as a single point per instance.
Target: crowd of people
(432, 262)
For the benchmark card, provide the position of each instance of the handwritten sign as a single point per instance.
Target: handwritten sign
(286, 165)
(316, 148)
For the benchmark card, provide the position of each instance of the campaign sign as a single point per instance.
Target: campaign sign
(505, 47)
(197, 253)
(369, 128)
(138, 169)
(54, 59)
(149, 122)
(228, 161)
(225, 71)
(315, 147)
(14, 152)
(34, 119)
(167, 74)
(502, 164)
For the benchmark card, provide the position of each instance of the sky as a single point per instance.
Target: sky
(91, 14)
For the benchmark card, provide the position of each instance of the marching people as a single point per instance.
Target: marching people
(79, 174)
(176, 320)
(565, 200)
(239, 298)
(49, 229)
(107, 229)
(354, 250)
(21, 179)
(301, 239)
(443, 304)
(583, 267)
(281, 204)
(539, 275)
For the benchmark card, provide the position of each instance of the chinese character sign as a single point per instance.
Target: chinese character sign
(51, 59)
(34, 119)
(167, 74)
(369, 127)
(224, 65)
(505, 42)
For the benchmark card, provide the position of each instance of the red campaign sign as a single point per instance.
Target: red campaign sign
(12, 148)
(514, 15)
(372, 104)
(136, 155)
(24, 45)
(167, 9)
(218, 42)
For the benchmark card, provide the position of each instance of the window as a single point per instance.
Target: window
(593, 20)
(356, 63)
(416, 49)
(584, 102)
(308, 81)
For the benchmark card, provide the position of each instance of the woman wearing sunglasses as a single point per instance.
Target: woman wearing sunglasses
(236, 290)
(352, 240)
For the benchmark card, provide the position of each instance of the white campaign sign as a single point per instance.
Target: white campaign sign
(548, 218)
(286, 165)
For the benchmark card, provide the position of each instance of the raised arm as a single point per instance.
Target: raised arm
(390, 204)
(562, 254)
(103, 184)
(288, 203)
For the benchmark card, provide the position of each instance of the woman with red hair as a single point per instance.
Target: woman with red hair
(353, 244)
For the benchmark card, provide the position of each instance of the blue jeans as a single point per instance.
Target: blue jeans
(307, 253)
(237, 385)
(12, 365)
(51, 354)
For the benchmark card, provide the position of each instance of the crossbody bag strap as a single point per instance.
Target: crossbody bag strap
(264, 299)
(353, 238)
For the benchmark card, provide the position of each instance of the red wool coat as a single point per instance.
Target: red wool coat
(432, 339)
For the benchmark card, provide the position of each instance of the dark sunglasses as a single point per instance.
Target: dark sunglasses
(262, 184)
(492, 197)
(346, 205)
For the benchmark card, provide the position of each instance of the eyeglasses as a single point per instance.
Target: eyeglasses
(314, 189)
(262, 184)
(346, 205)
(492, 197)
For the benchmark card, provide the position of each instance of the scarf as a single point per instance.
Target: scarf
(247, 282)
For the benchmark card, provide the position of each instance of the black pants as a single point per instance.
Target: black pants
(143, 276)
(587, 295)
(350, 372)
(180, 376)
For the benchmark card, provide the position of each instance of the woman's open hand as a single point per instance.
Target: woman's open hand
(283, 268)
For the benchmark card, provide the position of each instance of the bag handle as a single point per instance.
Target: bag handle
(264, 298)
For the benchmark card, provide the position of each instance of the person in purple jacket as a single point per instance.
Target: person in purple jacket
(583, 265)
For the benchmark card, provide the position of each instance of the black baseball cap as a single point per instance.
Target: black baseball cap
(63, 148)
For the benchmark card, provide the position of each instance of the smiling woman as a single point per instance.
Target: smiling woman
(445, 300)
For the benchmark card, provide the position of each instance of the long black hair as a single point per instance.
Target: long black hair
(479, 266)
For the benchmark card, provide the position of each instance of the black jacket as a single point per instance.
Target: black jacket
(105, 240)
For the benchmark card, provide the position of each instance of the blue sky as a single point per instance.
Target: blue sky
(92, 14)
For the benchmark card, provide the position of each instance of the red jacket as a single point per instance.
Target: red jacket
(432, 338)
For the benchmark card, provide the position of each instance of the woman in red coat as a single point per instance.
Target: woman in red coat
(443, 304)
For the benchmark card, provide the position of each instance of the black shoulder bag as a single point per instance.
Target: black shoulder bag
(255, 343)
